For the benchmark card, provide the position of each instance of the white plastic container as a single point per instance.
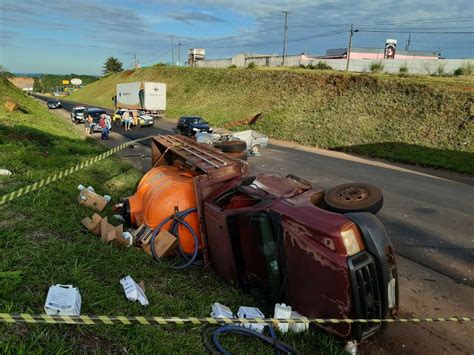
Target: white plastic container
(221, 311)
(282, 311)
(251, 312)
(298, 327)
(63, 300)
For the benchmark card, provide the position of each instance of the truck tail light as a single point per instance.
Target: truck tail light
(351, 239)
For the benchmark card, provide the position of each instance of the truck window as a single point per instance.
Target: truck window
(255, 248)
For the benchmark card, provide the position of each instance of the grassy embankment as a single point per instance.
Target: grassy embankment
(419, 120)
(42, 243)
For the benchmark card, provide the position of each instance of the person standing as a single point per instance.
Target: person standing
(102, 126)
(126, 120)
(135, 118)
(88, 123)
(108, 126)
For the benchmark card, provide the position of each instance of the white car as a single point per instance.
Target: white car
(77, 114)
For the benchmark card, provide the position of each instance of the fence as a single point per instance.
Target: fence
(413, 66)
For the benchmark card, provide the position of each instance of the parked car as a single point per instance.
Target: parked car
(95, 113)
(190, 125)
(53, 103)
(77, 114)
(144, 119)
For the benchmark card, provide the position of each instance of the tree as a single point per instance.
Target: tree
(111, 66)
(37, 87)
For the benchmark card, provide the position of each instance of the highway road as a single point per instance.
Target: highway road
(429, 218)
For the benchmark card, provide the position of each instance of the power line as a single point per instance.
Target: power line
(408, 31)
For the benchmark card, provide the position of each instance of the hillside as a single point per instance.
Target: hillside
(426, 121)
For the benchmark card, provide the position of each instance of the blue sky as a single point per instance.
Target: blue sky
(76, 36)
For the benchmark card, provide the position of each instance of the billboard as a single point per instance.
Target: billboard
(76, 81)
(65, 82)
(390, 48)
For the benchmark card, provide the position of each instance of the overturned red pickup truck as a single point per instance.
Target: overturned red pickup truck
(275, 233)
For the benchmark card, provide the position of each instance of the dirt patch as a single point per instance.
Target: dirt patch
(425, 293)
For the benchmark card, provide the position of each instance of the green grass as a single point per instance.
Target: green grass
(42, 243)
(325, 109)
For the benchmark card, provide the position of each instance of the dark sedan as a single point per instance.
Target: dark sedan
(190, 125)
(53, 103)
(95, 113)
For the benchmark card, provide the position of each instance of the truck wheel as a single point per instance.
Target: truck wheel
(255, 148)
(354, 197)
(234, 146)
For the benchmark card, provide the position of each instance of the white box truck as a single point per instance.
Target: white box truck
(142, 95)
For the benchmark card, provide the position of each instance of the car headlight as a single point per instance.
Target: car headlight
(351, 239)
(195, 129)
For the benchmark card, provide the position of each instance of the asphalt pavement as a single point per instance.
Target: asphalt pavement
(429, 218)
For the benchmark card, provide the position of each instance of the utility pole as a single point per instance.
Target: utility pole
(284, 36)
(407, 47)
(350, 46)
(134, 60)
(179, 53)
(172, 50)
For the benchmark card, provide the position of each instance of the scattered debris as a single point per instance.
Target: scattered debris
(133, 291)
(282, 311)
(251, 312)
(298, 327)
(5, 172)
(109, 233)
(351, 347)
(251, 120)
(93, 224)
(91, 199)
(221, 311)
(63, 300)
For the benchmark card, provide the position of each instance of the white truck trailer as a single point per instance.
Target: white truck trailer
(142, 95)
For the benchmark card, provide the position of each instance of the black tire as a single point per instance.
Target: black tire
(218, 145)
(234, 146)
(354, 197)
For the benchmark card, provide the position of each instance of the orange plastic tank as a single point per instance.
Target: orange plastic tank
(160, 192)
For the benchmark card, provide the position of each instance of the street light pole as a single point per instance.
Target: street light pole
(350, 46)
(172, 50)
(284, 36)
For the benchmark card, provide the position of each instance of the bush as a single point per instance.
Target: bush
(160, 65)
(233, 66)
(310, 66)
(323, 66)
(440, 69)
(302, 66)
(403, 69)
(465, 69)
(459, 71)
(251, 65)
(376, 67)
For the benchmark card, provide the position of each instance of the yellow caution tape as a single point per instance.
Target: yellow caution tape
(129, 320)
(62, 174)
